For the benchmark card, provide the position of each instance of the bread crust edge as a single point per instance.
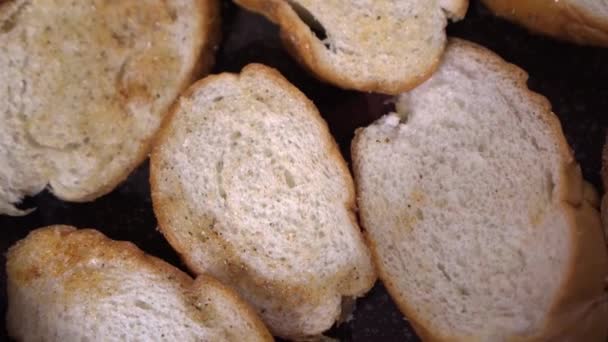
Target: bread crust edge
(302, 45)
(209, 37)
(586, 234)
(559, 20)
(162, 207)
(144, 259)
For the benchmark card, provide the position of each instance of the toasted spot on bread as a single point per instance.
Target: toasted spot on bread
(85, 87)
(75, 285)
(385, 46)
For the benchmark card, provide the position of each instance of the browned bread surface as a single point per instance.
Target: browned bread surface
(73, 285)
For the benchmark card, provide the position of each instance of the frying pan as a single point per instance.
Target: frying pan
(573, 78)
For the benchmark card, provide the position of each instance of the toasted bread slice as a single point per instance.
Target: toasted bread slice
(85, 85)
(77, 285)
(478, 217)
(249, 186)
(579, 21)
(385, 46)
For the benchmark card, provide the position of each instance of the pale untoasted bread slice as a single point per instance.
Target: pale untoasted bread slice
(476, 212)
(85, 85)
(77, 285)
(580, 21)
(249, 186)
(385, 46)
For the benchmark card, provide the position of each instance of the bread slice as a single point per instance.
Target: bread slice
(385, 46)
(578, 21)
(249, 186)
(476, 211)
(85, 85)
(77, 285)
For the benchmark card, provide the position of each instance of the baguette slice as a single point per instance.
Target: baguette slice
(249, 186)
(85, 85)
(77, 285)
(579, 21)
(385, 46)
(477, 213)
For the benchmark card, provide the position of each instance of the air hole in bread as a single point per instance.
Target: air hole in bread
(72, 146)
(236, 135)
(310, 21)
(443, 271)
(143, 305)
(7, 25)
(535, 143)
(464, 292)
(219, 168)
(289, 179)
(419, 214)
(550, 185)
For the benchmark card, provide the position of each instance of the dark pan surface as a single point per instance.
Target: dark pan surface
(574, 78)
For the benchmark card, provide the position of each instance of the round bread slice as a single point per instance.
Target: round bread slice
(249, 186)
(477, 213)
(85, 85)
(579, 21)
(385, 46)
(77, 285)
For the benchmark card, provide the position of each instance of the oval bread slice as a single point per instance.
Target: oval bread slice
(77, 285)
(249, 186)
(85, 85)
(580, 21)
(385, 46)
(476, 211)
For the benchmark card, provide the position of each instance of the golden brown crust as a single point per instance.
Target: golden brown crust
(584, 286)
(302, 45)
(75, 246)
(559, 19)
(164, 208)
(306, 58)
(210, 10)
(68, 248)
